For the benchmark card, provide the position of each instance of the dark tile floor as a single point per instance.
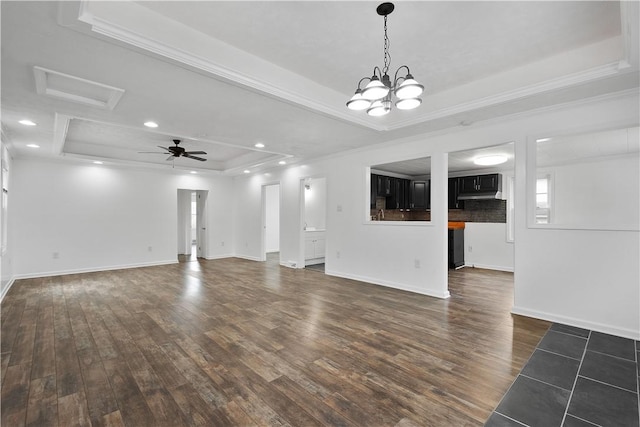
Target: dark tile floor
(575, 377)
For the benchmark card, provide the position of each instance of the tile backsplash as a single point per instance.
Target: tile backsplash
(474, 211)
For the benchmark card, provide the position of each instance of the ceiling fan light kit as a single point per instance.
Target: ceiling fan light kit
(376, 95)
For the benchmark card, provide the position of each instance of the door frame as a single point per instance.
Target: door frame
(202, 197)
(301, 225)
(263, 223)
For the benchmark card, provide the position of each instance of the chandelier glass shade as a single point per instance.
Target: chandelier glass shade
(376, 95)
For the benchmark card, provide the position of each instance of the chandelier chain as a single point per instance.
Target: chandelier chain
(387, 56)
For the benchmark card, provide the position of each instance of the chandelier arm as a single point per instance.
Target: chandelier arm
(363, 79)
(379, 75)
(396, 78)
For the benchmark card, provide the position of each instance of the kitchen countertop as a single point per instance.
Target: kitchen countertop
(453, 225)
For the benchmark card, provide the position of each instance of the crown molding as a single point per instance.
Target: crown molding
(603, 71)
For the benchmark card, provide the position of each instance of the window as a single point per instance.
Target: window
(543, 200)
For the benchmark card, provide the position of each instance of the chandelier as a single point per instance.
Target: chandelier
(376, 95)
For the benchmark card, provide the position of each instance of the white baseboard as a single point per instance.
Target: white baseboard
(580, 323)
(250, 258)
(93, 269)
(394, 285)
(490, 267)
(6, 288)
(219, 256)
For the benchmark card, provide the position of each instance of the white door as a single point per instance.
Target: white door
(201, 222)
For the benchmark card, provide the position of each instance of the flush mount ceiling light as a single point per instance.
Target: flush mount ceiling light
(27, 122)
(259, 145)
(97, 162)
(376, 95)
(490, 160)
(33, 146)
(151, 124)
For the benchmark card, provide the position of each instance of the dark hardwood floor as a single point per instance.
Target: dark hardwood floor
(237, 342)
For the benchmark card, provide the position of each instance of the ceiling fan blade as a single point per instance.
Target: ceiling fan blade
(171, 157)
(194, 157)
(151, 152)
(195, 152)
(164, 148)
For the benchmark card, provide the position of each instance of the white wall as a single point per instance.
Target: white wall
(6, 258)
(184, 222)
(486, 246)
(315, 204)
(600, 192)
(97, 217)
(272, 218)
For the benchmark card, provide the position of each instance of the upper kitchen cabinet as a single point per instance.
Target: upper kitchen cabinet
(487, 186)
(420, 195)
(454, 191)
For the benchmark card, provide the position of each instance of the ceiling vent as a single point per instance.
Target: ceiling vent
(71, 88)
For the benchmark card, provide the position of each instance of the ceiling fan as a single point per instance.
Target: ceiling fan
(177, 151)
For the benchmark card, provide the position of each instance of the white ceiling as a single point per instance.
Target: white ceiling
(223, 76)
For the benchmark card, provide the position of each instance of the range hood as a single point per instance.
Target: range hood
(492, 195)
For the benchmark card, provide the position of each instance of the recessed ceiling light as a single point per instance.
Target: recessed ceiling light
(543, 139)
(33, 146)
(97, 162)
(282, 162)
(490, 160)
(247, 171)
(259, 145)
(151, 124)
(27, 122)
(193, 172)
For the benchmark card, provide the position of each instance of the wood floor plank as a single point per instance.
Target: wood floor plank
(42, 408)
(238, 342)
(44, 360)
(22, 351)
(12, 310)
(15, 395)
(130, 400)
(73, 410)
(99, 394)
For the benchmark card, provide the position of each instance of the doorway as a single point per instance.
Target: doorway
(314, 222)
(192, 224)
(480, 209)
(271, 223)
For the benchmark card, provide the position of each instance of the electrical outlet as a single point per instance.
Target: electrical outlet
(339, 208)
(221, 243)
(338, 254)
(470, 248)
(150, 248)
(56, 255)
(416, 263)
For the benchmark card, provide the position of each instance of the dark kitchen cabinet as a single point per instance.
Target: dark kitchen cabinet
(454, 190)
(456, 247)
(479, 184)
(398, 197)
(394, 190)
(383, 185)
(374, 191)
(420, 195)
